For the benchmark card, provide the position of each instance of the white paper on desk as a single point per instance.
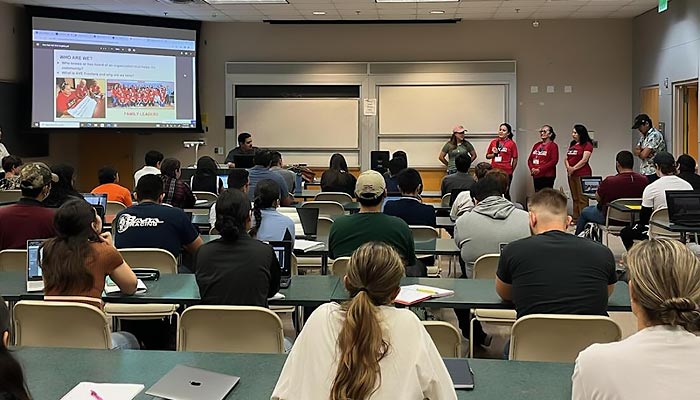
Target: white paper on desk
(84, 109)
(107, 391)
(111, 287)
(277, 296)
(306, 245)
(200, 201)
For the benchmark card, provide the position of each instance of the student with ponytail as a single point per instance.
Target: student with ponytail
(269, 224)
(236, 269)
(12, 384)
(659, 361)
(365, 348)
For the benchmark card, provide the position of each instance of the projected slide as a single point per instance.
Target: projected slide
(90, 76)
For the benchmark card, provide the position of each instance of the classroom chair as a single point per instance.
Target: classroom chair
(10, 195)
(239, 329)
(323, 230)
(446, 337)
(326, 208)
(445, 202)
(661, 215)
(113, 207)
(208, 196)
(213, 231)
(620, 218)
(13, 260)
(40, 323)
(558, 337)
(339, 266)
(143, 257)
(423, 233)
(339, 197)
(485, 268)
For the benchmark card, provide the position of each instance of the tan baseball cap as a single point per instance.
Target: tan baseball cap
(36, 175)
(370, 185)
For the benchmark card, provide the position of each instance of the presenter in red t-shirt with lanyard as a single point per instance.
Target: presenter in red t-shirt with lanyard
(543, 159)
(503, 152)
(577, 157)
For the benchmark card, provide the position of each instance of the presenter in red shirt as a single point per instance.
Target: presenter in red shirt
(503, 152)
(543, 159)
(577, 157)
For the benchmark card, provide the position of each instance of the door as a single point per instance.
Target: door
(100, 149)
(685, 110)
(650, 103)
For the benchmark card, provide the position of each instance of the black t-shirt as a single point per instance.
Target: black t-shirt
(244, 272)
(154, 225)
(558, 273)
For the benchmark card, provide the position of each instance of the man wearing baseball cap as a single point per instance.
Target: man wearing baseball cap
(28, 219)
(650, 143)
(349, 232)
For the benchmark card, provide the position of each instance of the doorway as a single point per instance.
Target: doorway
(685, 116)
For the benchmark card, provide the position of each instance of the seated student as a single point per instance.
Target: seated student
(660, 360)
(77, 261)
(177, 193)
(626, 184)
(11, 165)
(261, 170)
(236, 269)
(237, 179)
(151, 224)
(152, 159)
(277, 165)
(245, 147)
(460, 179)
(337, 178)
(396, 165)
(555, 272)
(463, 202)
(349, 232)
(12, 385)
(365, 348)
(654, 197)
(62, 190)
(686, 170)
(28, 219)
(109, 184)
(205, 178)
(269, 223)
(410, 208)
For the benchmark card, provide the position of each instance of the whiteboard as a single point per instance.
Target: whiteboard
(424, 153)
(421, 110)
(300, 123)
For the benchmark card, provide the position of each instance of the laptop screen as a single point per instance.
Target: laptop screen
(224, 178)
(34, 253)
(683, 206)
(99, 199)
(283, 251)
(309, 220)
(590, 184)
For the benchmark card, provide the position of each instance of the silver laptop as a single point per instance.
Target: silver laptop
(35, 282)
(187, 383)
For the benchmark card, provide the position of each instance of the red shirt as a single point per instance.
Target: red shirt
(620, 186)
(507, 150)
(575, 154)
(64, 103)
(23, 221)
(544, 156)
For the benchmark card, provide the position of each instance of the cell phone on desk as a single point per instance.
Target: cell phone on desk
(146, 274)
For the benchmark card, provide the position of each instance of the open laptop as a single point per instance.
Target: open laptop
(35, 282)
(683, 207)
(99, 201)
(283, 251)
(589, 184)
(243, 160)
(187, 383)
(224, 178)
(309, 220)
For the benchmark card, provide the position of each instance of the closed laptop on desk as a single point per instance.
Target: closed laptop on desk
(187, 383)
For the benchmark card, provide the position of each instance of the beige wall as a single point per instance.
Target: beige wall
(9, 20)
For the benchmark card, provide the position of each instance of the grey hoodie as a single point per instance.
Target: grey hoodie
(493, 221)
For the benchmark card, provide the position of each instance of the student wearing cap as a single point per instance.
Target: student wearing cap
(654, 197)
(349, 232)
(456, 145)
(28, 219)
(650, 143)
(686, 170)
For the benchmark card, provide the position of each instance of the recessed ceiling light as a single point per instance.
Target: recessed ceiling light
(247, 2)
(319, 13)
(417, 1)
(437, 11)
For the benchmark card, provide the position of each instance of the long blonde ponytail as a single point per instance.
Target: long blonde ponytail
(373, 278)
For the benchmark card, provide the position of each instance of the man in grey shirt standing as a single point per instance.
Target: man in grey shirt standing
(650, 143)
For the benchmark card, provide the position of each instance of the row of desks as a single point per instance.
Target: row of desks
(309, 194)
(494, 379)
(202, 222)
(305, 290)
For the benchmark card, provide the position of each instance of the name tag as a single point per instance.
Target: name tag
(498, 159)
(536, 161)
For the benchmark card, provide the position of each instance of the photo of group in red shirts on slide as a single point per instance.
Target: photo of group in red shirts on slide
(80, 98)
(140, 94)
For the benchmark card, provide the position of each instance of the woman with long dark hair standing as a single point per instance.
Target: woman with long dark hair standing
(543, 159)
(365, 348)
(577, 157)
(205, 178)
(503, 152)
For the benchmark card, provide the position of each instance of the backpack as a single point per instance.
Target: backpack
(592, 231)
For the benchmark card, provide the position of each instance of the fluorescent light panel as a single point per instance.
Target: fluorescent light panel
(217, 2)
(417, 1)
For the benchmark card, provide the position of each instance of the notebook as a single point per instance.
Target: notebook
(105, 391)
(187, 383)
(35, 282)
(413, 294)
(460, 372)
(636, 207)
(111, 287)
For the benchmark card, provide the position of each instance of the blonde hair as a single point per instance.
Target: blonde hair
(665, 279)
(374, 275)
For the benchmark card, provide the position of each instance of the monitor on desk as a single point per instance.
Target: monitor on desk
(683, 207)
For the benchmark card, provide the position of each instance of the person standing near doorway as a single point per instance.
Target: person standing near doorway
(650, 143)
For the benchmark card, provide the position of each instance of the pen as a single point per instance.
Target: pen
(426, 291)
(95, 396)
